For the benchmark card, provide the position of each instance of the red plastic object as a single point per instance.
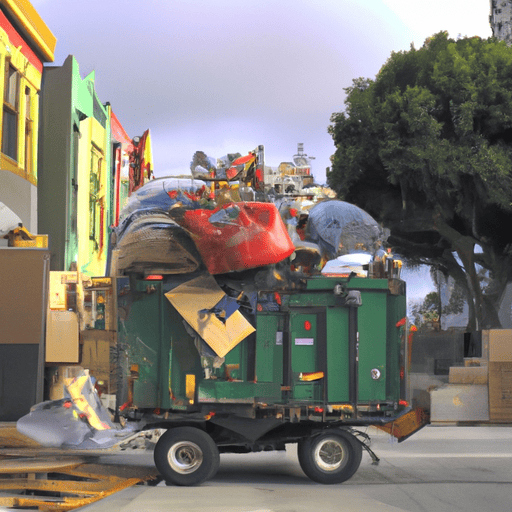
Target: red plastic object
(238, 236)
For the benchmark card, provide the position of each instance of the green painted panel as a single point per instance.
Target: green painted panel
(312, 299)
(310, 391)
(397, 308)
(304, 342)
(223, 391)
(140, 331)
(269, 347)
(328, 283)
(372, 321)
(156, 340)
(304, 354)
(185, 357)
(337, 355)
(236, 356)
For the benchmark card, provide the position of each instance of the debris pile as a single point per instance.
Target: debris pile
(222, 257)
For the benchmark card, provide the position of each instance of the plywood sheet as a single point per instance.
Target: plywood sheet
(203, 293)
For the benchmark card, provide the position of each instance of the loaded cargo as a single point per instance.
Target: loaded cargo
(232, 339)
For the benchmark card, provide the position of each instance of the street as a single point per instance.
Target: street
(441, 468)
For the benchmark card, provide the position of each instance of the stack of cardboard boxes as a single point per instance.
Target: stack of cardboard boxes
(481, 390)
(500, 375)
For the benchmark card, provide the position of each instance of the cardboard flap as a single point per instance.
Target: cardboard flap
(192, 298)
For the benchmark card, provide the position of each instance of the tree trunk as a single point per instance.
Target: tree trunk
(464, 246)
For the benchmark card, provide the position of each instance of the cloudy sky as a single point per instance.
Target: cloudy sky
(224, 76)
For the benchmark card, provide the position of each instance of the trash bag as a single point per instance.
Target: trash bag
(238, 236)
(343, 228)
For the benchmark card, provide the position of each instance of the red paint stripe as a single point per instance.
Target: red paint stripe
(16, 40)
(118, 131)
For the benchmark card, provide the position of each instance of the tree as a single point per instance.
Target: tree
(425, 148)
(448, 299)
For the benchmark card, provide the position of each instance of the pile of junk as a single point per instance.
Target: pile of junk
(223, 256)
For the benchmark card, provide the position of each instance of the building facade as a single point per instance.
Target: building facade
(500, 20)
(75, 161)
(89, 167)
(25, 44)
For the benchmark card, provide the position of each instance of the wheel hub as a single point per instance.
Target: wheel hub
(329, 455)
(185, 457)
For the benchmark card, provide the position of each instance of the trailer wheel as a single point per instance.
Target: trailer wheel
(331, 457)
(186, 456)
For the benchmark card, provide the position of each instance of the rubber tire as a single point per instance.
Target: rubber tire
(190, 438)
(351, 453)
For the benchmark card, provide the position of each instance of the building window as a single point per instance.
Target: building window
(10, 113)
(29, 133)
(96, 201)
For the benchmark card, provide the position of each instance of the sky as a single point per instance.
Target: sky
(225, 76)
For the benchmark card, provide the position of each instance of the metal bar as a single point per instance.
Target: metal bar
(41, 358)
(353, 355)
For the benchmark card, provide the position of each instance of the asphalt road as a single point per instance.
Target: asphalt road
(439, 469)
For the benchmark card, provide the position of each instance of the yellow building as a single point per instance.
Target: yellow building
(93, 201)
(25, 44)
(75, 170)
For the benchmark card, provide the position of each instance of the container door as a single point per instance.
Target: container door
(307, 354)
(269, 347)
(341, 369)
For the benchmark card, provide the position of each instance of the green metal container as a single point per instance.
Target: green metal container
(317, 350)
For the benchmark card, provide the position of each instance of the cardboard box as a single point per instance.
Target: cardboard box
(500, 345)
(460, 402)
(468, 375)
(475, 361)
(500, 392)
(96, 353)
(61, 337)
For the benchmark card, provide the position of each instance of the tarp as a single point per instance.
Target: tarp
(155, 240)
(343, 265)
(343, 228)
(160, 195)
(238, 236)
(199, 302)
(78, 421)
(147, 237)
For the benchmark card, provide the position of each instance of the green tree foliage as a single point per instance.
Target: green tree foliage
(426, 148)
(427, 310)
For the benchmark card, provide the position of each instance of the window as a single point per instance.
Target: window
(96, 201)
(10, 112)
(29, 138)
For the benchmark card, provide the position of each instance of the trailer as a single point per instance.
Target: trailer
(324, 356)
(230, 339)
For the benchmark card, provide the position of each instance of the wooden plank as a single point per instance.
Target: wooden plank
(37, 465)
